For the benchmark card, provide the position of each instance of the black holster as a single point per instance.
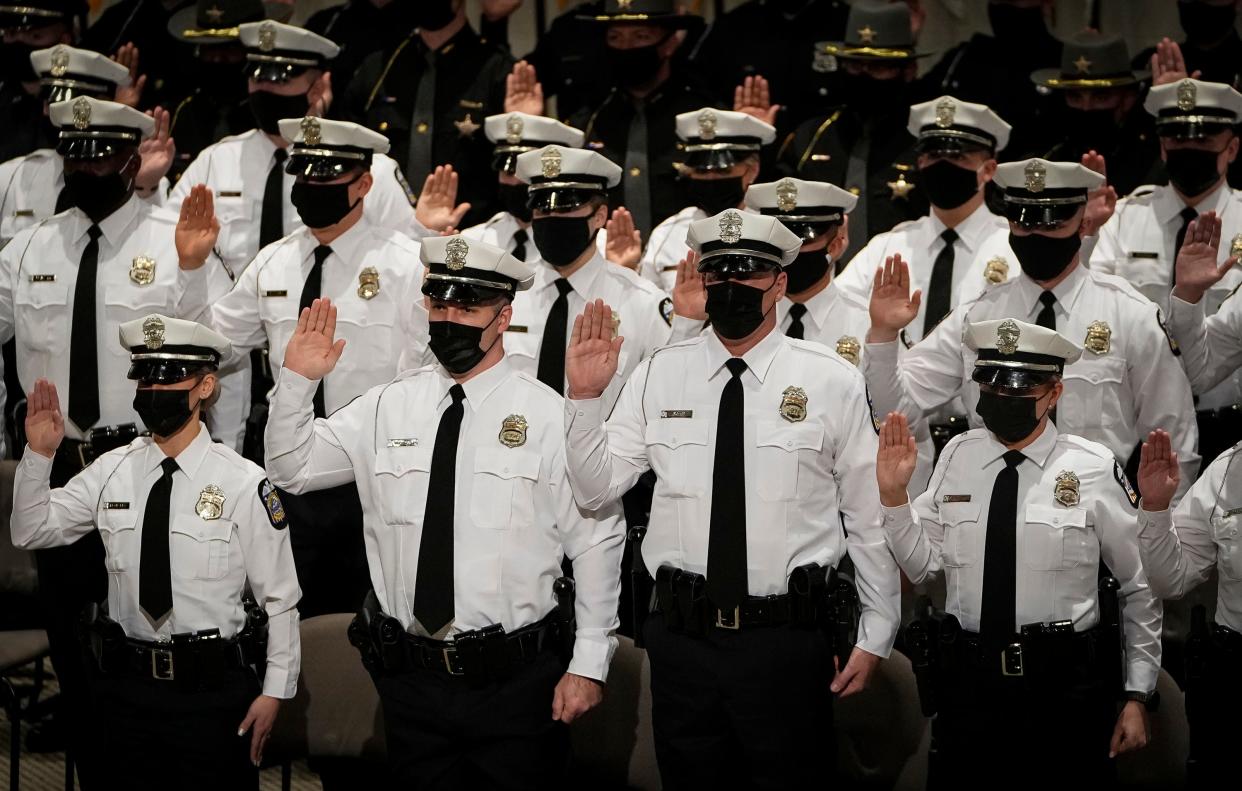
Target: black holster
(566, 616)
(642, 587)
(687, 593)
(843, 610)
(808, 596)
(253, 637)
(930, 638)
(362, 630)
(103, 640)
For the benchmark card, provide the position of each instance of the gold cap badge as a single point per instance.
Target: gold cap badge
(551, 163)
(455, 253)
(945, 112)
(996, 270)
(81, 113)
(707, 125)
(267, 37)
(1066, 491)
(793, 404)
(849, 348)
(786, 195)
(730, 227)
(866, 35)
(1036, 177)
(1099, 337)
(624, 5)
(368, 283)
(514, 126)
(312, 135)
(142, 270)
(60, 61)
(153, 333)
(1187, 95)
(513, 431)
(210, 503)
(1083, 65)
(215, 13)
(1007, 335)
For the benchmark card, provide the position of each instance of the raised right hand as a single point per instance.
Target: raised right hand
(1197, 270)
(523, 93)
(592, 358)
(197, 228)
(895, 460)
(313, 351)
(1158, 475)
(45, 425)
(892, 306)
(625, 242)
(437, 207)
(689, 293)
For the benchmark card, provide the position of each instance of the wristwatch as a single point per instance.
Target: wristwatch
(1150, 700)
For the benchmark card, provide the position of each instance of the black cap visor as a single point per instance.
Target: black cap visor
(277, 70)
(96, 143)
(1043, 210)
(951, 141)
(562, 196)
(1011, 378)
(810, 222)
(464, 289)
(322, 164)
(163, 371)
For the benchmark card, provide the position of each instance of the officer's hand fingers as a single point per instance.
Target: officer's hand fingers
(575, 335)
(246, 723)
(1215, 227)
(843, 678)
(338, 348)
(460, 212)
(329, 328)
(558, 703)
(739, 97)
(614, 351)
(916, 300)
(1114, 744)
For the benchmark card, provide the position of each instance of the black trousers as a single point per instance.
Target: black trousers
(325, 534)
(443, 733)
(156, 736)
(748, 709)
(1212, 706)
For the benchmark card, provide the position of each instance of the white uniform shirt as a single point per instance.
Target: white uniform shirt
(666, 247)
(499, 231)
(236, 170)
(982, 237)
(809, 480)
(383, 334)
(1059, 547)
(1203, 533)
(1211, 346)
(212, 559)
(514, 517)
(1114, 397)
(38, 274)
(644, 312)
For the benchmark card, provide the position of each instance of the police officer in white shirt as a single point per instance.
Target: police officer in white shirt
(191, 530)
(1181, 548)
(513, 134)
(568, 193)
(468, 511)
(762, 448)
(372, 274)
(1035, 532)
(1128, 381)
(721, 152)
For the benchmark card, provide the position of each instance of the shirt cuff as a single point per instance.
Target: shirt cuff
(584, 414)
(1154, 524)
(885, 353)
(896, 516)
(592, 656)
(36, 463)
(297, 386)
(279, 683)
(1183, 314)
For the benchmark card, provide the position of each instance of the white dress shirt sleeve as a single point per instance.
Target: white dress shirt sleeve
(1177, 546)
(305, 453)
(1162, 397)
(1211, 347)
(605, 461)
(43, 517)
(236, 315)
(924, 377)
(914, 530)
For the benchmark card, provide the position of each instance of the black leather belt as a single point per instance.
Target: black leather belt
(469, 653)
(754, 611)
(1009, 659)
(1227, 638)
(188, 663)
(98, 442)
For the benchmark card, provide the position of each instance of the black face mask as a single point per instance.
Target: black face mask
(430, 14)
(1010, 418)
(806, 270)
(562, 239)
(1044, 257)
(322, 205)
(736, 309)
(1013, 25)
(456, 346)
(1205, 23)
(715, 195)
(97, 195)
(636, 67)
(948, 186)
(268, 108)
(513, 199)
(163, 412)
(15, 63)
(1192, 170)
(1094, 128)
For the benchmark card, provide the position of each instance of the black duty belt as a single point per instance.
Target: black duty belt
(98, 442)
(753, 612)
(484, 652)
(1227, 639)
(193, 663)
(1012, 659)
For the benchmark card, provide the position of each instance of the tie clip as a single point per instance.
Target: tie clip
(276, 293)
(676, 413)
(955, 498)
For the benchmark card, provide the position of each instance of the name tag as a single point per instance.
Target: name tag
(24, 213)
(955, 498)
(277, 293)
(43, 278)
(403, 442)
(820, 157)
(676, 413)
(114, 505)
(516, 328)
(471, 105)
(1140, 254)
(229, 194)
(669, 268)
(1233, 512)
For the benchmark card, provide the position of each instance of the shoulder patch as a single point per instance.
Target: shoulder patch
(272, 504)
(1164, 327)
(405, 186)
(875, 423)
(666, 310)
(1120, 475)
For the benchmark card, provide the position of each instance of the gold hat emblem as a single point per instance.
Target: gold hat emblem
(1066, 491)
(946, 110)
(142, 270)
(1036, 176)
(550, 162)
(514, 126)
(215, 13)
(81, 113)
(368, 283)
(210, 503)
(1007, 336)
(624, 5)
(60, 61)
(312, 134)
(1187, 95)
(1235, 247)
(730, 227)
(866, 34)
(786, 195)
(267, 37)
(455, 253)
(153, 333)
(996, 270)
(849, 348)
(707, 125)
(1099, 337)
(513, 431)
(616, 324)
(1083, 65)
(793, 404)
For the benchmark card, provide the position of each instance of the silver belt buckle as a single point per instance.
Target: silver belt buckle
(1011, 660)
(162, 664)
(82, 448)
(734, 623)
(448, 652)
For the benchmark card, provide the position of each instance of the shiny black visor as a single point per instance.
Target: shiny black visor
(96, 143)
(168, 372)
(325, 164)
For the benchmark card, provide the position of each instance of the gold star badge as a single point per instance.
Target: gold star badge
(1083, 65)
(1099, 337)
(466, 127)
(210, 503)
(866, 35)
(142, 270)
(215, 13)
(368, 283)
(900, 188)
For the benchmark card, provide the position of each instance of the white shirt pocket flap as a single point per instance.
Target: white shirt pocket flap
(398, 461)
(675, 432)
(507, 463)
(203, 529)
(955, 513)
(1056, 517)
(790, 436)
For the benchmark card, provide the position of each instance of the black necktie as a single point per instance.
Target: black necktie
(1187, 215)
(519, 244)
(83, 355)
(940, 289)
(552, 348)
(154, 576)
(1000, 554)
(433, 590)
(796, 311)
(272, 220)
(310, 292)
(1047, 316)
(726, 542)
